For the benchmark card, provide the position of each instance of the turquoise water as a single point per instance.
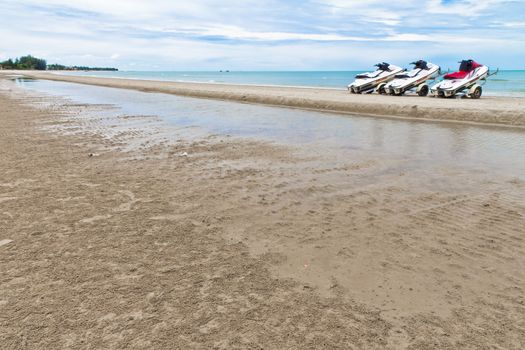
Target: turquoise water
(506, 83)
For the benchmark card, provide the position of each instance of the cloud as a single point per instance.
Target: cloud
(228, 32)
(507, 24)
(463, 8)
(249, 34)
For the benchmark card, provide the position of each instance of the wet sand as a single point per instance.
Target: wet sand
(227, 243)
(487, 110)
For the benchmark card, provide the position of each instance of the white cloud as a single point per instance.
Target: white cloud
(238, 33)
(507, 24)
(373, 11)
(249, 34)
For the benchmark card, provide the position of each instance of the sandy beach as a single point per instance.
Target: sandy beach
(487, 110)
(139, 241)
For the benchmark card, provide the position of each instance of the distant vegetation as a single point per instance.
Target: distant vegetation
(25, 62)
(32, 63)
(62, 67)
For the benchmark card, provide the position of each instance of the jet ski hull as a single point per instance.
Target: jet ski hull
(413, 79)
(365, 83)
(451, 87)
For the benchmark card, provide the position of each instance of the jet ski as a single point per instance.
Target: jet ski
(468, 80)
(416, 78)
(368, 82)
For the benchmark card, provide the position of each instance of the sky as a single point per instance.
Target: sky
(263, 35)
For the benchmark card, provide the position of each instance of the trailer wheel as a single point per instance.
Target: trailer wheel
(423, 91)
(476, 93)
(381, 89)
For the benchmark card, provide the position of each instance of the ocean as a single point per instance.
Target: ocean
(505, 83)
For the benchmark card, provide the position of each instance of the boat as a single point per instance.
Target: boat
(416, 78)
(468, 81)
(376, 80)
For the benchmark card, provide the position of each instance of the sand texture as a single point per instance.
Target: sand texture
(488, 110)
(134, 242)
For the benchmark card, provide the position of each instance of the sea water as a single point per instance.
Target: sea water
(505, 83)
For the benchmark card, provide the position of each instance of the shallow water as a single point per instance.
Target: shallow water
(496, 149)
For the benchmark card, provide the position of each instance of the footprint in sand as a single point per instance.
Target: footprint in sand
(128, 205)
(94, 218)
(16, 183)
(5, 199)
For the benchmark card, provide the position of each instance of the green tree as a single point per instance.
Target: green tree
(56, 66)
(30, 62)
(9, 64)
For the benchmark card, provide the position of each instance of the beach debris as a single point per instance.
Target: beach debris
(183, 154)
(5, 241)
(93, 155)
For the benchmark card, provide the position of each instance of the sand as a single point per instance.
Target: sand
(487, 110)
(219, 243)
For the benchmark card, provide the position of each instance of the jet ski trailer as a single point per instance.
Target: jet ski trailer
(468, 81)
(368, 82)
(416, 79)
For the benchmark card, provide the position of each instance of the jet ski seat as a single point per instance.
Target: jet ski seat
(381, 67)
(457, 75)
(369, 75)
(410, 74)
(465, 68)
(419, 66)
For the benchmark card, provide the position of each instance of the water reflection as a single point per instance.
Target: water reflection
(465, 145)
(459, 141)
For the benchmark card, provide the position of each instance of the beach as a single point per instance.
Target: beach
(116, 234)
(487, 110)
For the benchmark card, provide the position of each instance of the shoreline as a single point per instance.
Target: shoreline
(509, 111)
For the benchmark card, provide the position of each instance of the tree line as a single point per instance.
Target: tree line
(62, 67)
(25, 62)
(32, 63)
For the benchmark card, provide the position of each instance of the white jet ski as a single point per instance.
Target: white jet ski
(368, 82)
(416, 78)
(470, 78)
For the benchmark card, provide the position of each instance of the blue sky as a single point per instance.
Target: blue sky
(264, 35)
